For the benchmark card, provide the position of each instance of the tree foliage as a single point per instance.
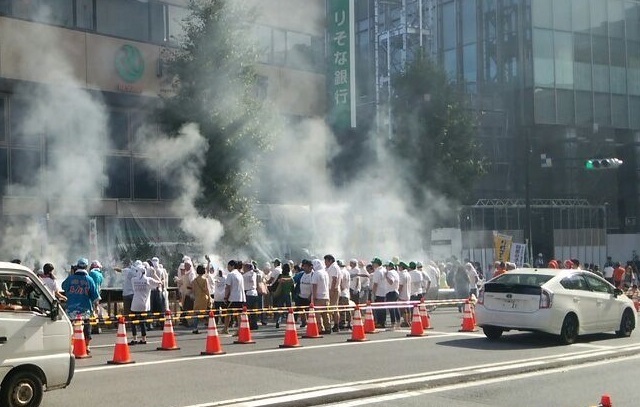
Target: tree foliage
(215, 86)
(434, 134)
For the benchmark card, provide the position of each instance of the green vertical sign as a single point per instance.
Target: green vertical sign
(341, 73)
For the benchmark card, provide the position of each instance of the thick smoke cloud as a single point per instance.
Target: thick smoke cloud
(71, 126)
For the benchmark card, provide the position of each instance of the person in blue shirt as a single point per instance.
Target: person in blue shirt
(82, 295)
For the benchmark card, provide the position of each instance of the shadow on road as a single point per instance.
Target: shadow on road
(519, 340)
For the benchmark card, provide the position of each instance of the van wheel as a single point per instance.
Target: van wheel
(569, 331)
(22, 389)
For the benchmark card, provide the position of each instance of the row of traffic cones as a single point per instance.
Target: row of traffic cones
(122, 354)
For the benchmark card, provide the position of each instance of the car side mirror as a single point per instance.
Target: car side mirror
(55, 310)
(617, 292)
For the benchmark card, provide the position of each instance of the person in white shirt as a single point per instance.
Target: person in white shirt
(355, 282)
(142, 286)
(234, 294)
(219, 285)
(473, 278)
(320, 294)
(404, 290)
(379, 291)
(49, 281)
(251, 292)
(304, 294)
(417, 279)
(433, 285)
(393, 286)
(344, 296)
(333, 270)
(365, 285)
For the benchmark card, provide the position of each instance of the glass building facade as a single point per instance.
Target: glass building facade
(557, 79)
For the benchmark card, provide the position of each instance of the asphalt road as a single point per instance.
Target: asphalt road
(574, 386)
(321, 371)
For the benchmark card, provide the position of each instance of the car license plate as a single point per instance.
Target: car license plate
(510, 304)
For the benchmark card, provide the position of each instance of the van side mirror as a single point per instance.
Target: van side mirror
(55, 310)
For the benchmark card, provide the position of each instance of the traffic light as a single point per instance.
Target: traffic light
(603, 163)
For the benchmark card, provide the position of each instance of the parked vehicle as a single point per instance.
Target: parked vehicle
(567, 303)
(35, 339)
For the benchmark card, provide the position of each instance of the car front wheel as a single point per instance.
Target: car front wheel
(626, 324)
(493, 333)
(569, 331)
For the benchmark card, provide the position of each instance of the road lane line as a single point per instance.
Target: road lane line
(459, 386)
(264, 399)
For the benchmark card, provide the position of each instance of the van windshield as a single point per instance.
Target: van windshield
(20, 293)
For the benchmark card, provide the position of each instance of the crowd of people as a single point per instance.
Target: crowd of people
(268, 291)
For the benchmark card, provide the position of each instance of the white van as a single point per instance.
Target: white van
(35, 339)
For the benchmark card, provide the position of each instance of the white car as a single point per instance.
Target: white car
(567, 303)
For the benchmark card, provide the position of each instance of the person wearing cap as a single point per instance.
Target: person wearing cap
(379, 291)
(344, 296)
(393, 287)
(303, 299)
(404, 291)
(320, 294)
(82, 296)
(141, 304)
(128, 273)
(355, 281)
(417, 285)
(333, 270)
(95, 272)
(251, 293)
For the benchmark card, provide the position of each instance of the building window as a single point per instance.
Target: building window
(449, 26)
(145, 183)
(543, 52)
(599, 17)
(85, 14)
(616, 18)
(299, 52)
(25, 165)
(119, 177)
(633, 67)
(119, 130)
(562, 15)
(634, 106)
(619, 111)
(563, 56)
(470, 64)
(3, 122)
(584, 108)
(542, 13)
(603, 109)
(175, 28)
(23, 131)
(545, 106)
(566, 110)
(469, 25)
(57, 12)
(4, 169)
(123, 18)
(279, 47)
(5, 7)
(158, 23)
(450, 65)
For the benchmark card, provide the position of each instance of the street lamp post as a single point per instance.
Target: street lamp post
(527, 193)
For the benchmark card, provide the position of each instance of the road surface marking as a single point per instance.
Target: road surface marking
(378, 383)
(460, 386)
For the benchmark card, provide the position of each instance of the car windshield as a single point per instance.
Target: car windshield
(522, 279)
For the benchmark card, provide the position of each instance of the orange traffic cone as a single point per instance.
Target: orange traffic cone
(244, 333)
(424, 316)
(357, 329)
(369, 322)
(312, 326)
(168, 337)
(290, 334)
(416, 323)
(213, 346)
(468, 324)
(605, 401)
(121, 355)
(79, 344)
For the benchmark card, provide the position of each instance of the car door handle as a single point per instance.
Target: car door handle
(3, 339)
(576, 299)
